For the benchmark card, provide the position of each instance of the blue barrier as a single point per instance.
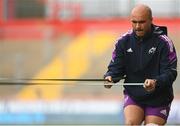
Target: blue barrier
(21, 118)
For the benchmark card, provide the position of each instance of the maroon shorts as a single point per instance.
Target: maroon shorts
(162, 111)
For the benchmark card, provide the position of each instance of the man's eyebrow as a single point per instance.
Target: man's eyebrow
(134, 21)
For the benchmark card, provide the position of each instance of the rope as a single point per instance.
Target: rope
(68, 81)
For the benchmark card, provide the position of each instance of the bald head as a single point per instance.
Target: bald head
(143, 10)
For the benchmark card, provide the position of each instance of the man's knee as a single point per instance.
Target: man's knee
(151, 124)
(130, 122)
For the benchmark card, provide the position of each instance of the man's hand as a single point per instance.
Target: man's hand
(108, 83)
(150, 85)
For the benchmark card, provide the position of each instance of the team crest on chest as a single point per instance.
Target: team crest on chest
(152, 50)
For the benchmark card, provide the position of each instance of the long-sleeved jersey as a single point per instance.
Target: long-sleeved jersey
(150, 57)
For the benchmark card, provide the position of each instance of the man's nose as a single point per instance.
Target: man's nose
(137, 25)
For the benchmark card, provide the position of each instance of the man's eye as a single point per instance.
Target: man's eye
(134, 22)
(141, 22)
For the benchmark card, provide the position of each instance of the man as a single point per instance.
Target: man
(144, 55)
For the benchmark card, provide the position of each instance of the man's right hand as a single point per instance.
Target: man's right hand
(108, 83)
